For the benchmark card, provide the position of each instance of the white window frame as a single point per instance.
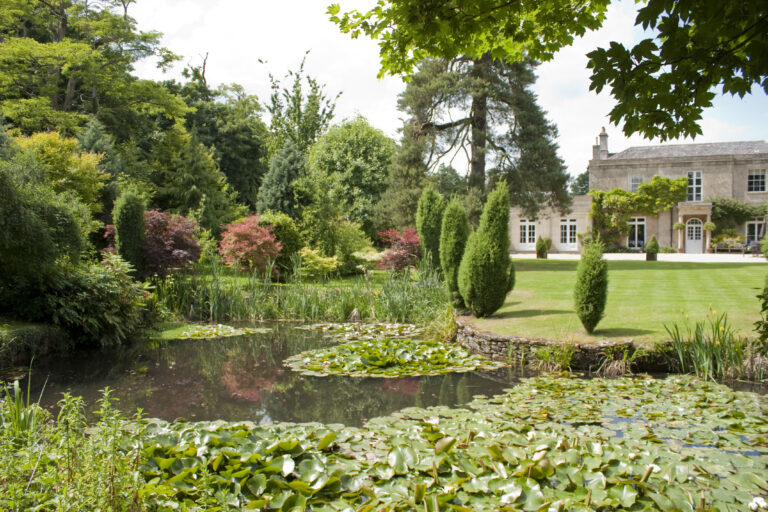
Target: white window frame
(756, 180)
(527, 234)
(568, 234)
(634, 183)
(695, 186)
(758, 229)
(634, 241)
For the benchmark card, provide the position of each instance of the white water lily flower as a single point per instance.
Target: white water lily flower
(655, 468)
(758, 503)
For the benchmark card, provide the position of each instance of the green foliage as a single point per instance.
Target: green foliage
(453, 239)
(612, 209)
(350, 240)
(543, 244)
(652, 247)
(276, 192)
(408, 30)
(72, 465)
(358, 156)
(315, 266)
(729, 213)
(128, 216)
(19, 417)
(448, 181)
(226, 120)
(486, 257)
(97, 303)
(388, 358)
(663, 83)
(38, 228)
(298, 116)
(429, 218)
(397, 208)
(580, 184)
(287, 234)
(761, 326)
(591, 291)
(712, 349)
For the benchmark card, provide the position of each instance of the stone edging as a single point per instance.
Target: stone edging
(586, 356)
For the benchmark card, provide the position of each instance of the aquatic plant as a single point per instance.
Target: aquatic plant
(388, 358)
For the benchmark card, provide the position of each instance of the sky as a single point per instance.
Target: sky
(246, 40)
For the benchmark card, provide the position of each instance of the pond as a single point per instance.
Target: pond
(243, 378)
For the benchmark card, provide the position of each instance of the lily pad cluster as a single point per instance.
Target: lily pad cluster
(389, 358)
(549, 444)
(210, 331)
(355, 331)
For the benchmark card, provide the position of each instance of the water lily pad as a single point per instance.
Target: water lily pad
(207, 332)
(390, 358)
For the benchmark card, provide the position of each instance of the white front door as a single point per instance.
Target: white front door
(694, 237)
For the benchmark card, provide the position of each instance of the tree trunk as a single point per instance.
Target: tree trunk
(479, 122)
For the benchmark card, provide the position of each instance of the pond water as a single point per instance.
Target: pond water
(243, 378)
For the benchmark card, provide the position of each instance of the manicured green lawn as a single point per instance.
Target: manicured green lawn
(642, 297)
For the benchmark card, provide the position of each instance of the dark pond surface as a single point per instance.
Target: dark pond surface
(243, 378)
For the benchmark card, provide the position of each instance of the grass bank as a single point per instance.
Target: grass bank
(642, 297)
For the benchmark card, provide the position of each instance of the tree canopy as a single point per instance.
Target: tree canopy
(661, 84)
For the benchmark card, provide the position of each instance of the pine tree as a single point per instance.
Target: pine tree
(454, 232)
(128, 216)
(484, 274)
(501, 128)
(429, 218)
(590, 293)
(276, 193)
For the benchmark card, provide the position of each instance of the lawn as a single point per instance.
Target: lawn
(642, 297)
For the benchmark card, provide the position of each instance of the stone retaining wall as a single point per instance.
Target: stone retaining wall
(585, 357)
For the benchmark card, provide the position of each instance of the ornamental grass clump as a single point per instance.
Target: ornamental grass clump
(590, 294)
(453, 239)
(485, 277)
(713, 350)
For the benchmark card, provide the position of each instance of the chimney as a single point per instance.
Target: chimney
(603, 144)
(596, 150)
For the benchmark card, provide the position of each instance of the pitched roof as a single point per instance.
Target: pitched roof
(755, 147)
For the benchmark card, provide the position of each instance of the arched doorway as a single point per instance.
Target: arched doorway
(694, 235)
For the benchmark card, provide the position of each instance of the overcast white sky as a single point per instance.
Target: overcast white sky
(236, 34)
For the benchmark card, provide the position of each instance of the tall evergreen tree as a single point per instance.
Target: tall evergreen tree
(429, 219)
(499, 125)
(276, 193)
(454, 232)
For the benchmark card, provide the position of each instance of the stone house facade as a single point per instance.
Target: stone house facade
(725, 169)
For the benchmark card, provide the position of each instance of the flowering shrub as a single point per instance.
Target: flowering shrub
(248, 245)
(169, 242)
(404, 249)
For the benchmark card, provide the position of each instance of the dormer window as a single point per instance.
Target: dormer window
(756, 180)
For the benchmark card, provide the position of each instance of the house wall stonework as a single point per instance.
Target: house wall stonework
(724, 167)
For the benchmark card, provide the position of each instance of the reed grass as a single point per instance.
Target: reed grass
(213, 295)
(712, 349)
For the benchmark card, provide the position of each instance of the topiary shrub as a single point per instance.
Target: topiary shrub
(249, 246)
(128, 216)
(591, 291)
(651, 249)
(484, 275)
(543, 244)
(429, 218)
(453, 240)
(287, 234)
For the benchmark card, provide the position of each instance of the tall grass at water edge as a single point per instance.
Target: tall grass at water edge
(210, 295)
(712, 349)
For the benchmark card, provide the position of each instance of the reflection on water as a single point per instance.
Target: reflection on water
(243, 379)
